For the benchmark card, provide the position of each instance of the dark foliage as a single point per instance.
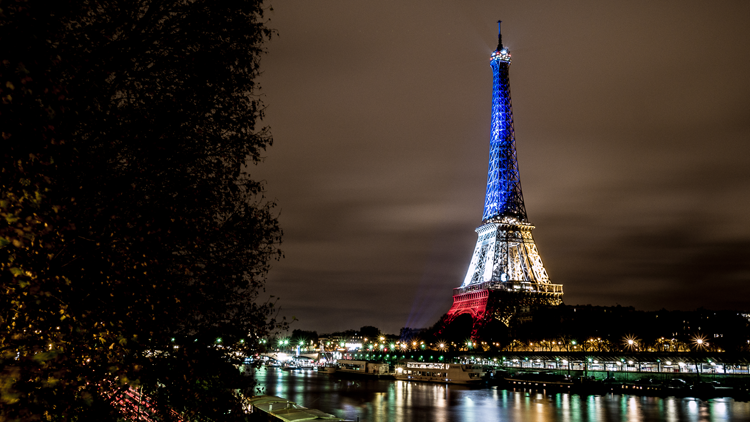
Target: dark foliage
(133, 242)
(302, 336)
(725, 330)
(346, 333)
(458, 331)
(369, 331)
(602, 328)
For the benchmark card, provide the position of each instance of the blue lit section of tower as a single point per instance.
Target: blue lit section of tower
(504, 197)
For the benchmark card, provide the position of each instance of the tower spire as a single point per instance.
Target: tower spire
(499, 37)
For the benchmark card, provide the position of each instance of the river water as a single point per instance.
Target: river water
(382, 400)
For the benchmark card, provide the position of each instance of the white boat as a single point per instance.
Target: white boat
(446, 373)
(304, 363)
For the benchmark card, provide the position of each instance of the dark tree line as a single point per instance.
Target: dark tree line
(655, 330)
(304, 337)
(604, 328)
(133, 241)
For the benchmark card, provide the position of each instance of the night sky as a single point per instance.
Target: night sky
(632, 124)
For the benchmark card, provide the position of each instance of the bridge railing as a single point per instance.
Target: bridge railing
(511, 286)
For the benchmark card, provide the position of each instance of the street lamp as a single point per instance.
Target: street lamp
(700, 341)
(631, 342)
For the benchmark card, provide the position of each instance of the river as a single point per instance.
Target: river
(381, 400)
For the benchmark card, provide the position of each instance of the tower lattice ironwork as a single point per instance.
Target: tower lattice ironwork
(506, 271)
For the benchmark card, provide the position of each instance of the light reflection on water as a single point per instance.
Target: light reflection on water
(372, 400)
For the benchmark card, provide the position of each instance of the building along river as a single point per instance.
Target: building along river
(388, 400)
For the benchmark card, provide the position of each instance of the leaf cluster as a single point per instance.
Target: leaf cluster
(134, 242)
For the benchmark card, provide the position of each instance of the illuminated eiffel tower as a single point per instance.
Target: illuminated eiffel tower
(506, 272)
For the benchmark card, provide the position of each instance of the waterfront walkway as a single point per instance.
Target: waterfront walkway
(664, 362)
(724, 363)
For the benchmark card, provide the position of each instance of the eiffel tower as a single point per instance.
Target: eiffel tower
(506, 272)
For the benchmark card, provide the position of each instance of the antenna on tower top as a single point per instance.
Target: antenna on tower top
(499, 37)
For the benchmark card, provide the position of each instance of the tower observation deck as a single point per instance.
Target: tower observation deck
(506, 271)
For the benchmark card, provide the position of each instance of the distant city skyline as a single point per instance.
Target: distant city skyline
(632, 131)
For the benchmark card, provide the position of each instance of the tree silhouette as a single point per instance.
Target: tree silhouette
(134, 243)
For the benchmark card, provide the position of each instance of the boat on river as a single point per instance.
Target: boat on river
(328, 368)
(539, 380)
(272, 408)
(446, 373)
(363, 369)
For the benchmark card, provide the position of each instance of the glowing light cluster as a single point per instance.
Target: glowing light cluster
(503, 54)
